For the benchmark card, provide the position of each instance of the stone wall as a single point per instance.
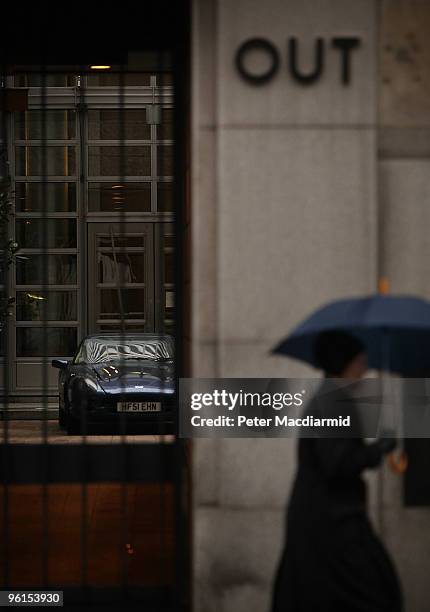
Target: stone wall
(404, 200)
(288, 185)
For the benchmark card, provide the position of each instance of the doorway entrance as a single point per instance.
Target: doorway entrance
(93, 181)
(130, 277)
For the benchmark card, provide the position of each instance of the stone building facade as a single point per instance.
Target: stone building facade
(301, 193)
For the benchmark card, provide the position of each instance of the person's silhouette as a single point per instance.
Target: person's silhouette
(332, 559)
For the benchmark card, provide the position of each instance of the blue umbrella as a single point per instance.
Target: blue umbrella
(395, 330)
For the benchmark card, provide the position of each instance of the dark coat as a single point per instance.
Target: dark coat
(332, 559)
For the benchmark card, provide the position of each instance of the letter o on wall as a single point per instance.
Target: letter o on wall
(257, 44)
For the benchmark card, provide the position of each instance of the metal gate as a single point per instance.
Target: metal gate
(92, 220)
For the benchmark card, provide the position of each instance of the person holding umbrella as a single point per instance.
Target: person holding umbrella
(332, 559)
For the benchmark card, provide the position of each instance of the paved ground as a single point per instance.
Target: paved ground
(33, 432)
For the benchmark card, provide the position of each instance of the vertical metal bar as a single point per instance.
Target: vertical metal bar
(4, 171)
(123, 485)
(82, 270)
(160, 318)
(180, 54)
(44, 424)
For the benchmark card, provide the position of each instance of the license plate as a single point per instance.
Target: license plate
(138, 406)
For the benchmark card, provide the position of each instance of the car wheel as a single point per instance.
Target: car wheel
(73, 425)
(61, 418)
(62, 411)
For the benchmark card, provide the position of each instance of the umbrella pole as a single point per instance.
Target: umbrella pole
(384, 376)
(397, 460)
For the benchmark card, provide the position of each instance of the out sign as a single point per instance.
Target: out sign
(342, 46)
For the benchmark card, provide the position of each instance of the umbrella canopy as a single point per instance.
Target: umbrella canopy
(394, 329)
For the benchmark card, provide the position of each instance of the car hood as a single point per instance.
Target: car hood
(138, 377)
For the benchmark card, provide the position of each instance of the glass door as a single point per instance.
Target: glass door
(120, 277)
(164, 272)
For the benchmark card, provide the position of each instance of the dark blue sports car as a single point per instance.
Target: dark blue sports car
(119, 379)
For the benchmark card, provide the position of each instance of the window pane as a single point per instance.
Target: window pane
(60, 197)
(59, 269)
(164, 79)
(51, 306)
(120, 242)
(165, 128)
(59, 160)
(59, 125)
(165, 197)
(165, 160)
(132, 303)
(2, 346)
(131, 197)
(169, 268)
(111, 327)
(51, 80)
(169, 305)
(169, 327)
(111, 161)
(114, 79)
(128, 267)
(60, 341)
(59, 233)
(118, 125)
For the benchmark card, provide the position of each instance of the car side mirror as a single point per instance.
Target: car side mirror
(61, 364)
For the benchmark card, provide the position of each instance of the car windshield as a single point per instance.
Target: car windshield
(104, 349)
